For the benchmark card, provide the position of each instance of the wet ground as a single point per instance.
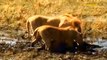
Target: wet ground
(20, 49)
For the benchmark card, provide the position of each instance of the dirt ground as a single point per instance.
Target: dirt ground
(20, 49)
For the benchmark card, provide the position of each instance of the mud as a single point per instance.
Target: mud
(9, 43)
(15, 49)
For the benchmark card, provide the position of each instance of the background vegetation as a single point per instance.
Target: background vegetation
(14, 13)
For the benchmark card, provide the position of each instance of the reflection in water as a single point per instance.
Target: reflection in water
(12, 41)
(102, 43)
(9, 41)
(23, 43)
(14, 45)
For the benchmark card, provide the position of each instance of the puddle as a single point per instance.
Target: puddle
(102, 43)
(10, 41)
(23, 45)
(14, 45)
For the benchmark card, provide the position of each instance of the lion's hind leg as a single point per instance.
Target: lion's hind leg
(36, 37)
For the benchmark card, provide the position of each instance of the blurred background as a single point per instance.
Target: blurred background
(93, 13)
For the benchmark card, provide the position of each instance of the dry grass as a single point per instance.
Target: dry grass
(95, 28)
(15, 13)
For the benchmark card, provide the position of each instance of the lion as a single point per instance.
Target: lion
(60, 21)
(54, 36)
(34, 21)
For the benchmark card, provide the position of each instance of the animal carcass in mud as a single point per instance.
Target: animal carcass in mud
(59, 21)
(55, 37)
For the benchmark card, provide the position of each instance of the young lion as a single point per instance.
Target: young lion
(60, 21)
(54, 36)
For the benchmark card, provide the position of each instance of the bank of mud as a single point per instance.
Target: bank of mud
(19, 48)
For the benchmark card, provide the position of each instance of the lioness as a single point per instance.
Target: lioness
(60, 21)
(54, 36)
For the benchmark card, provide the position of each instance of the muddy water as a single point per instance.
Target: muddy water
(8, 45)
(10, 41)
(24, 44)
(103, 43)
(14, 45)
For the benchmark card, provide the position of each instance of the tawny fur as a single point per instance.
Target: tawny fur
(53, 36)
(60, 21)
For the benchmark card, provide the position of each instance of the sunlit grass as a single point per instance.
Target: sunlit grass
(14, 13)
